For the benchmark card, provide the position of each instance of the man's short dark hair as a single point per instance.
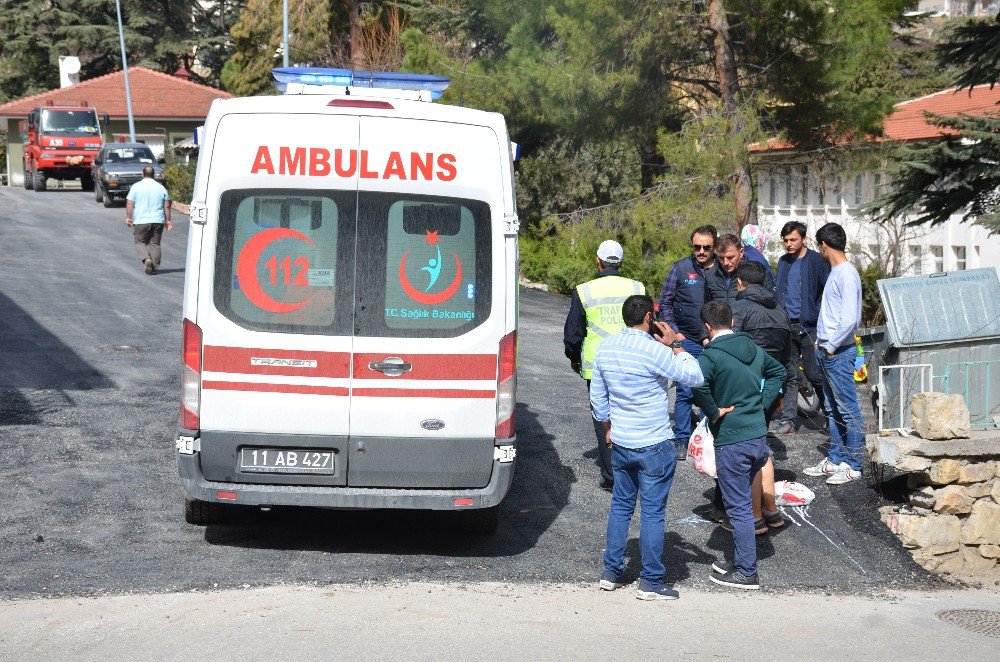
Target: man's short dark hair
(705, 229)
(793, 226)
(726, 242)
(609, 265)
(635, 308)
(750, 273)
(718, 314)
(833, 235)
(148, 172)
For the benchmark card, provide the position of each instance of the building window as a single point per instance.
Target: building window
(859, 189)
(959, 257)
(937, 252)
(917, 260)
(772, 192)
(788, 187)
(804, 174)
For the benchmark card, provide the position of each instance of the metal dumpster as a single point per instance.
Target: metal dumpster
(942, 333)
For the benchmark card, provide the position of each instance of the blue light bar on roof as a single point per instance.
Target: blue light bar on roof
(392, 80)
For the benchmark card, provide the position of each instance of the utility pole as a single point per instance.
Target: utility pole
(128, 90)
(284, 36)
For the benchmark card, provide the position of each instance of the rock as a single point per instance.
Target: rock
(989, 551)
(933, 562)
(974, 473)
(975, 562)
(940, 416)
(933, 534)
(979, 490)
(944, 472)
(912, 463)
(951, 564)
(983, 525)
(995, 492)
(952, 500)
(923, 498)
(994, 467)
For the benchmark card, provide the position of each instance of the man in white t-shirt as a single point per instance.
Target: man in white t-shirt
(147, 210)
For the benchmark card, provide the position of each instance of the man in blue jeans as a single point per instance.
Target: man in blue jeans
(741, 383)
(839, 318)
(628, 392)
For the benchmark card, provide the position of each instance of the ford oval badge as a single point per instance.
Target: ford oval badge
(432, 424)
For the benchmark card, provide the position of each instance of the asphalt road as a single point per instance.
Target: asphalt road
(89, 372)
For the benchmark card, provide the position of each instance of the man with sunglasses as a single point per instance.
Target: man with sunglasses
(681, 300)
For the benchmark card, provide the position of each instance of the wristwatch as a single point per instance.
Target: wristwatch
(677, 344)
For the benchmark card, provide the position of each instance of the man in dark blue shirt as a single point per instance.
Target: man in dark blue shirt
(802, 275)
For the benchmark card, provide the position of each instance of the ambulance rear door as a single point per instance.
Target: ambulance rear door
(429, 309)
(276, 299)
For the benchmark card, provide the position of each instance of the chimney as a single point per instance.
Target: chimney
(69, 70)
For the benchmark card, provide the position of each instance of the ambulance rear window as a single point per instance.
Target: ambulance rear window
(424, 265)
(278, 260)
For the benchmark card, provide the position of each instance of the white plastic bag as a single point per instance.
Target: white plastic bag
(701, 449)
(787, 493)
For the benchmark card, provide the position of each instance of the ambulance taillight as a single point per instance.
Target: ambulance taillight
(191, 377)
(506, 386)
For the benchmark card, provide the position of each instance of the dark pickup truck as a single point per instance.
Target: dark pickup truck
(118, 166)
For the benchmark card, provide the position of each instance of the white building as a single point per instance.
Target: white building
(957, 8)
(816, 189)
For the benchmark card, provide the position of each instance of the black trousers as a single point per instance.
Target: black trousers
(603, 450)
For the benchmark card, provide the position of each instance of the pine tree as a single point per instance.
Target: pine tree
(960, 174)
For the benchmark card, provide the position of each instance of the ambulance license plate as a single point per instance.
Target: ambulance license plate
(287, 461)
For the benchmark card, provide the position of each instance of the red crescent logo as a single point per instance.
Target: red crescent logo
(246, 269)
(429, 299)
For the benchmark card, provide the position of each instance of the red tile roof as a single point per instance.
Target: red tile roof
(154, 94)
(908, 123)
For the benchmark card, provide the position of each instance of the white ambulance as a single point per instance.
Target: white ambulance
(350, 302)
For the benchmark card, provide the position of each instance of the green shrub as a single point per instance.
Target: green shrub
(180, 181)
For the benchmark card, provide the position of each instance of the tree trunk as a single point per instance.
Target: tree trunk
(358, 59)
(729, 84)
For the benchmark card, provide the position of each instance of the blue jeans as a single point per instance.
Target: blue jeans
(682, 404)
(847, 427)
(647, 473)
(736, 465)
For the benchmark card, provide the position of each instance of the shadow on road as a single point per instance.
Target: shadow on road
(539, 492)
(36, 368)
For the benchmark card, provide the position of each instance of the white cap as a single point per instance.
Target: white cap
(610, 252)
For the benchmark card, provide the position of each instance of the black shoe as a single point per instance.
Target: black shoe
(721, 567)
(647, 591)
(682, 451)
(759, 526)
(736, 579)
(607, 485)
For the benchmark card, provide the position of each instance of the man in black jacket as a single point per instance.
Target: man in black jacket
(802, 275)
(756, 313)
(720, 285)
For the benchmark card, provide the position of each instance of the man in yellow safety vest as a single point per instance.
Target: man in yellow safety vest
(595, 313)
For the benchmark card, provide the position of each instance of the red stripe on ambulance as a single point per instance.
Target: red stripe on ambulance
(432, 367)
(255, 361)
(421, 393)
(275, 388)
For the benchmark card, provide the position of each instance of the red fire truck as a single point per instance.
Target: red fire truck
(60, 142)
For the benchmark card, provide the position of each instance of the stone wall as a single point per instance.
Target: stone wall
(952, 521)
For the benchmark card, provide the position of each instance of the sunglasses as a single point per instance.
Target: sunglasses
(698, 248)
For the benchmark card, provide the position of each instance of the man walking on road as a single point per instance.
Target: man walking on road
(839, 318)
(632, 372)
(147, 210)
(802, 275)
(741, 383)
(595, 313)
(680, 304)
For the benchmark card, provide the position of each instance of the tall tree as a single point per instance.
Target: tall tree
(959, 174)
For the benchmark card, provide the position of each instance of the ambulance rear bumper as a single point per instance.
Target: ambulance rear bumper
(195, 486)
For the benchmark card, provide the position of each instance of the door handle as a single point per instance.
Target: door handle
(392, 366)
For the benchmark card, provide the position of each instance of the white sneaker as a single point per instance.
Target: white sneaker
(824, 468)
(845, 474)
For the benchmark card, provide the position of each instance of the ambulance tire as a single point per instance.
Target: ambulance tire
(38, 181)
(202, 513)
(482, 521)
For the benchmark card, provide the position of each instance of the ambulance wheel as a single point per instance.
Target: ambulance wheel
(203, 512)
(483, 520)
(87, 183)
(38, 181)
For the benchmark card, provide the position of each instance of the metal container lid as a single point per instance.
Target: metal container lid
(941, 308)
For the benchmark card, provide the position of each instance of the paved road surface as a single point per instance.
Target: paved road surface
(89, 356)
